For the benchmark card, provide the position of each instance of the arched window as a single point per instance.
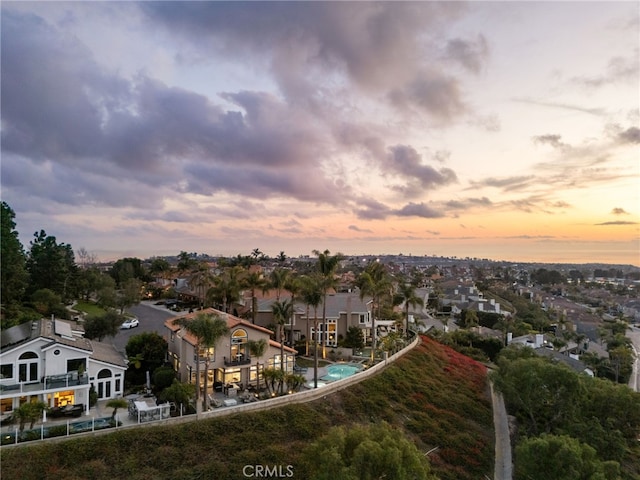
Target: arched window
(28, 367)
(239, 351)
(104, 373)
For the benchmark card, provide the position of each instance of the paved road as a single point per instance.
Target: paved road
(503, 464)
(151, 318)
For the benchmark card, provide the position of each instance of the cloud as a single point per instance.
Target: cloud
(403, 161)
(418, 210)
(619, 69)
(563, 106)
(505, 183)
(630, 135)
(370, 46)
(619, 211)
(617, 222)
(471, 54)
(355, 228)
(553, 140)
(468, 203)
(430, 92)
(373, 210)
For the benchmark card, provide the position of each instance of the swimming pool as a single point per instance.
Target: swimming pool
(340, 371)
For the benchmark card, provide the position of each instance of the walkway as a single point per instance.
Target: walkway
(503, 466)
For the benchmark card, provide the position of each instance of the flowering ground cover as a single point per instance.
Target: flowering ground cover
(438, 398)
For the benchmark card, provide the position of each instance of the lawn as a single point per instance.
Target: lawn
(90, 308)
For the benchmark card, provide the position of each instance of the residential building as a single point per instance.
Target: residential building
(49, 360)
(230, 360)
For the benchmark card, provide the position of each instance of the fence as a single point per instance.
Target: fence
(299, 397)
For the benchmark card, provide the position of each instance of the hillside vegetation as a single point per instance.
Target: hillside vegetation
(436, 397)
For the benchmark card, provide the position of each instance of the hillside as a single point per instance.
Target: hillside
(436, 396)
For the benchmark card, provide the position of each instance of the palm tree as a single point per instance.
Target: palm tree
(255, 281)
(202, 279)
(374, 282)
(207, 329)
(29, 412)
(226, 287)
(327, 266)
(279, 278)
(116, 403)
(281, 312)
(407, 294)
(257, 349)
(312, 297)
(294, 286)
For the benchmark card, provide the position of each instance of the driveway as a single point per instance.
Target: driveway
(152, 318)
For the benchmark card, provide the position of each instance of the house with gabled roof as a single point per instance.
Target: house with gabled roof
(49, 360)
(343, 310)
(230, 360)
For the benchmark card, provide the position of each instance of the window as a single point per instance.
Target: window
(76, 364)
(6, 370)
(363, 318)
(28, 364)
(239, 349)
(6, 405)
(207, 352)
(231, 375)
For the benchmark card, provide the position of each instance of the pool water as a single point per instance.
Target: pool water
(340, 371)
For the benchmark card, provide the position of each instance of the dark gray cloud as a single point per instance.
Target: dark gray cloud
(468, 203)
(373, 210)
(373, 45)
(630, 135)
(79, 116)
(430, 92)
(471, 54)
(404, 161)
(418, 210)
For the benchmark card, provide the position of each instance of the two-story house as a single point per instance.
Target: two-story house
(47, 360)
(230, 360)
(343, 310)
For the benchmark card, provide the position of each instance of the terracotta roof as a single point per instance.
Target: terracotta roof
(232, 322)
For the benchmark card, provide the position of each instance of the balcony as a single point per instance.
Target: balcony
(237, 361)
(51, 382)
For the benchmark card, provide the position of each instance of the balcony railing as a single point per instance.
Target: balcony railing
(237, 360)
(50, 382)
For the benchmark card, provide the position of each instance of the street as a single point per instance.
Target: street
(152, 318)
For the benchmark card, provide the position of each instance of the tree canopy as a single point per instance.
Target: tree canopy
(366, 452)
(13, 271)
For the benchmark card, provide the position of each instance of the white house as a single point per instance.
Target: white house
(45, 360)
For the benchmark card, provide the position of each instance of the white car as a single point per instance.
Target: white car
(130, 323)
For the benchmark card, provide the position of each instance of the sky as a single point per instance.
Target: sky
(500, 130)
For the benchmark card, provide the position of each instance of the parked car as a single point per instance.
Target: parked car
(130, 323)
